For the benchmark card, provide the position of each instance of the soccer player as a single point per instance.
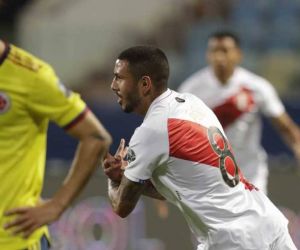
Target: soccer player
(30, 96)
(180, 153)
(238, 97)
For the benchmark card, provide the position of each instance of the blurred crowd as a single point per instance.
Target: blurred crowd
(268, 31)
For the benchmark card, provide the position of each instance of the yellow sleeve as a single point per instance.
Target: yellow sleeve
(48, 98)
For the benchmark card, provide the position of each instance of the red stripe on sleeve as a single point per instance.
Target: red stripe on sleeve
(189, 141)
(5, 53)
(77, 119)
(238, 104)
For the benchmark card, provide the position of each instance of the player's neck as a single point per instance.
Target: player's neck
(147, 101)
(223, 80)
(224, 77)
(144, 106)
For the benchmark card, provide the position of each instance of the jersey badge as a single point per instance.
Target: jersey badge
(130, 156)
(4, 103)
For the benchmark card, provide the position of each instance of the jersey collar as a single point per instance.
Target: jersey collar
(229, 81)
(5, 53)
(164, 95)
(159, 99)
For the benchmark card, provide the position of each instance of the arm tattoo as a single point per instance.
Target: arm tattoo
(124, 196)
(151, 191)
(113, 184)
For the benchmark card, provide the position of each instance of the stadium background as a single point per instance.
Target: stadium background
(81, 40)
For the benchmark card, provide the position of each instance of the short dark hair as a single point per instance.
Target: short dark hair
(225, 33)
(150, 61)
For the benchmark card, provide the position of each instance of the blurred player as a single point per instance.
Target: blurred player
(238, 98)
(181, 151)
(30, 96)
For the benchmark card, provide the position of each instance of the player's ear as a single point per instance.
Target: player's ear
(146, 83)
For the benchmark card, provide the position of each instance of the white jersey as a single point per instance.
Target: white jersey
(238, 105)
(182, 148)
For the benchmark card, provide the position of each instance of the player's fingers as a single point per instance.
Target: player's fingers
(15, 222)
(108, 170)
(124, 152)
(120, 148)
(109, 161)
(106, 164)
(29, 231)
(115, 162)
(23, 227)
(112, 169)
(115, 175)
(162, 209)
(26, 229)
(19, 210)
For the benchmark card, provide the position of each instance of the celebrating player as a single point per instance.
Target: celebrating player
(180, 153)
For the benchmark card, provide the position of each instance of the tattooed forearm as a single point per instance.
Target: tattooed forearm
(151, 191)
(124, 196)
(113, 184)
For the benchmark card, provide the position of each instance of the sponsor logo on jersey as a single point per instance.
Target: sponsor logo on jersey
(4, 103)
(178, 195)
(178, 99)
(130, 156)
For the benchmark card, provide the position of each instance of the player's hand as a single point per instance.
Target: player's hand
(28, 219)
(162, 209)
(114, 166)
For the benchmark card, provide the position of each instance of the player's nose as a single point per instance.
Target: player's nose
(113, 85)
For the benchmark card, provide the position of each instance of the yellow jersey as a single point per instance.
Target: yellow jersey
(30, 95)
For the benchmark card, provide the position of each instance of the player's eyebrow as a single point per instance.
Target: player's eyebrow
(118, 75)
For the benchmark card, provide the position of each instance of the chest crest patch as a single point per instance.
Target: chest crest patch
(130, 156)
(4, 103)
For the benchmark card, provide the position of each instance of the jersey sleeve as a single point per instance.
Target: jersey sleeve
(147, 150)
(271, 103)
(49, 98)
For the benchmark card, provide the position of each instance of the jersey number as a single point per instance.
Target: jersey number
(216, 138)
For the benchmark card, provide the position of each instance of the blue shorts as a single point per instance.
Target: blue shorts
(43, 244)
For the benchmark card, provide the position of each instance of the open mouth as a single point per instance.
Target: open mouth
(119, 98)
